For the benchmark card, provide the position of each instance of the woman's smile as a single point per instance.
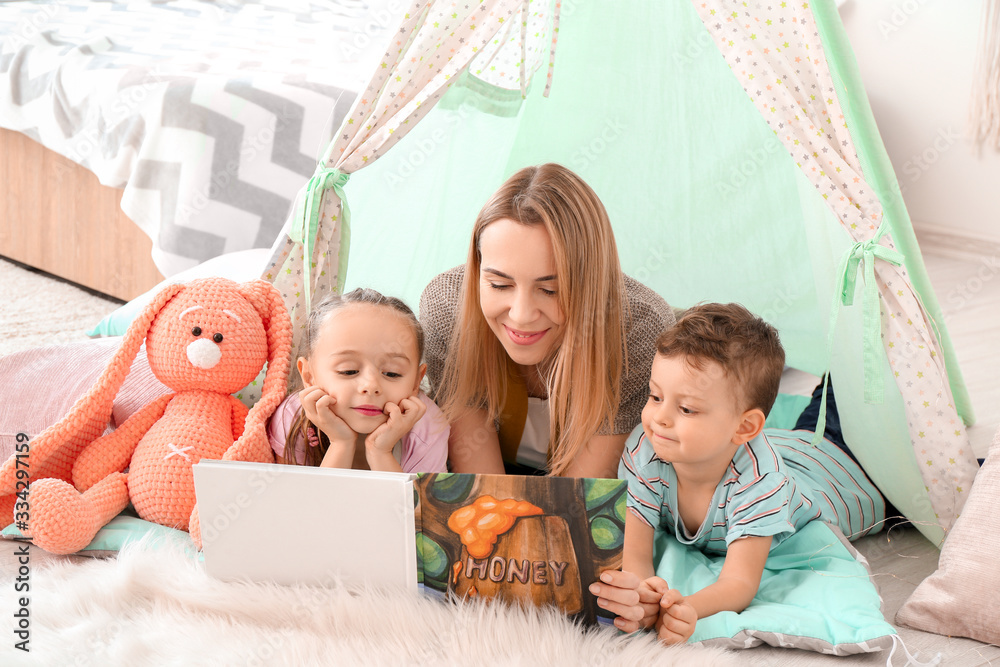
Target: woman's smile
(525, 337)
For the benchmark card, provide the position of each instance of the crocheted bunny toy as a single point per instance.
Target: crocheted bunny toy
(205, 340)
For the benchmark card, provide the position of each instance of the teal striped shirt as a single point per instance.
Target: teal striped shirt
(775, 484)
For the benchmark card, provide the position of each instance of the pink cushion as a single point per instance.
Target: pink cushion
(961, 597)
(40, 386)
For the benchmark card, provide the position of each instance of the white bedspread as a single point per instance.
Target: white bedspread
(210, 115)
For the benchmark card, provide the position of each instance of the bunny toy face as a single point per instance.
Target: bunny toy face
(210, 337)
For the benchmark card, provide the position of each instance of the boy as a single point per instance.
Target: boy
(704, 470)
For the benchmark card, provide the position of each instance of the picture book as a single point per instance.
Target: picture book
(542, 540)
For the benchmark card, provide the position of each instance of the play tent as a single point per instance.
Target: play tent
(734, 149)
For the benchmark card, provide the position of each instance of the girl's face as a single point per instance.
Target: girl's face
(366, 356)
(518, 290)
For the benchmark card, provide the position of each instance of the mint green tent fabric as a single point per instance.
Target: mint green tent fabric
(875, 161)
(786, 411)
(814, 595)
(776, 52)
(682, 168)
(705, 201)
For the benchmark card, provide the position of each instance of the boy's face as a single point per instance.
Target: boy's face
(692, 416)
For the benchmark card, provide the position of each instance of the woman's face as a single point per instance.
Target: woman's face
(518, 290)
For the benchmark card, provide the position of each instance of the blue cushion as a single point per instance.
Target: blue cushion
(120, 531)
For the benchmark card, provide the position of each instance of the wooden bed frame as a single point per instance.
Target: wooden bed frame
(55, 216)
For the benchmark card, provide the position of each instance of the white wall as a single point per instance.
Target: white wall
(917, 59)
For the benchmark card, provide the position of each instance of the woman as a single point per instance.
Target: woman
(541, 358)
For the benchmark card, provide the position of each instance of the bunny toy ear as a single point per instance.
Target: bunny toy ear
(266, 299)
(53, 452)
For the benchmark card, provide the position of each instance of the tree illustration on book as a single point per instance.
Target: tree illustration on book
(542, 540)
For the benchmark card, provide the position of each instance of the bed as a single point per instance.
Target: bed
(139, 139)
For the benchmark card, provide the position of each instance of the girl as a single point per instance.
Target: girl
(361, 406)
(539, 347)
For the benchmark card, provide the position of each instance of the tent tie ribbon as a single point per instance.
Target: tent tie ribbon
(305, 224)
(861, 253)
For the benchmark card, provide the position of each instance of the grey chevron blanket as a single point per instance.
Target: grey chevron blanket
(209, 115)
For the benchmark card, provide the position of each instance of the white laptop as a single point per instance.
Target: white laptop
(302, 524)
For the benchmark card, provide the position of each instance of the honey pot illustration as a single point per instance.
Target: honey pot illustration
(511, 550)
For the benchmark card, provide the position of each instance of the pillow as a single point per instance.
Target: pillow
(960, 598)
(41, 385)
(816, 594)
(117, 533)
(241, 266)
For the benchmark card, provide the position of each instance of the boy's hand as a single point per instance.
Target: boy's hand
(651, 592)
(677, 618)
(402, 419)
(318, 406)
(636, 602)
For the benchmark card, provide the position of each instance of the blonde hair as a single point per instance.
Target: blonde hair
(318, 316)
(592, 297)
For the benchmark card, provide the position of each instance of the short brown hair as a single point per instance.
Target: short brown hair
(747, 348)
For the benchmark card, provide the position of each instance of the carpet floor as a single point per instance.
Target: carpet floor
(38, 310)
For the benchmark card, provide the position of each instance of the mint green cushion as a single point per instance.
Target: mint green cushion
(814, 595)
(120, 531)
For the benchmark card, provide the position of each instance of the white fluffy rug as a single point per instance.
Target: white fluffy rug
(158, 607)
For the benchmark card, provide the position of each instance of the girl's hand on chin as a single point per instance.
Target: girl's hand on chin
(318, 406)
(402, 419)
